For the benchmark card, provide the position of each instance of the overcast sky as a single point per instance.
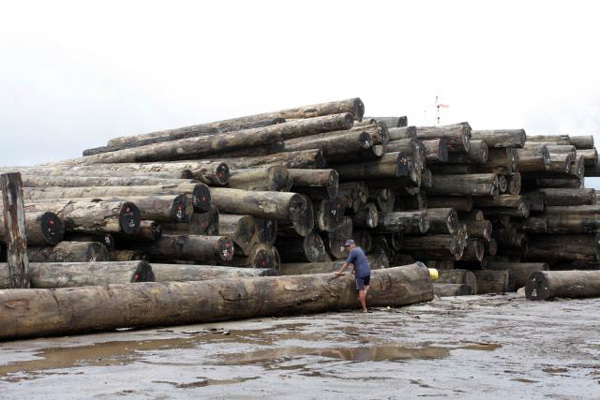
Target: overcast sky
(74, 74)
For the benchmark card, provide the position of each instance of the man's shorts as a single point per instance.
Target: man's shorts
(362, 282)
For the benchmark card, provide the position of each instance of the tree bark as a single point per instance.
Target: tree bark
(307, 249)
(76, 274)
(433, 246)
(550, 248)
(532, 225)
(474, 250)
(513, 183)
(478, 154)
(407, 132)
(384, 199)
(41, 229)
(87, 181)
(266, 230)
(479, 229)
(315, 183)
(391, 165)
(520, 271)
(547, 285)
(335, 240)
(241, 229)
(312, 159)
(329, 214)
(391, 122)
(501, 137)
(69, 252)
(367, 217)
(403, 221)
(14, 224)
(336, 146)
(205, 249)
(71, 311)
(570, 197)
(463, 203)
(457, 136)
(275, 178)
(494, 281)
(585, 142)
(187, 273)
(464, 185)
(458, 276)
(354, 195)
(260, 256)
(127, 255)
(590, 157)
(442, 220)
(500, 161)
(106, 239)
(556, 139)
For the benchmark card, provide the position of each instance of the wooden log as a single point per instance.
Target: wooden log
(458, 276)
(435, 150)
(310, 248)
(407, 132)
(500, 137)
(575, 219)
(445, 264)
(92, 216)
(315, 183)
(68, 252)
(457, 136)
(260, 256)
(474, 250)
(266, 230)
(391, 122)
(403, 221)
(491, 247)
(14, 225)
(535, 201)
(378, 131)
(66, 180)
(206, 224)
(127, 255)
(411, 201)
(383, 198)
(548, 248)
(570, 197)
(473, 215)
(479, 229)
(556, 139)
(284, 207)
(478, 154)
(274, 178)
(590, 157)
(442, 220)
(354, 195)
(500, 161)
(187, 273)
(367, 217)
(204, 249)
(149, 231)
(433, 246)
(106, 239)
(277, 146)
(489, 281)
(585, 142)
(464, 185)
(503, 200)
(547, 285)
(241, 229)
(411, 148)
(52, 275)
(520, 271)
(513, 183)
(390, 165)
(41, 229)
(363, 239)
(462, 203)
(502, 184)
(196, 147)
(313, 159)
(335, 240)
(336, 146)
(329, 213)
(521, 211)
(532, 225)
(451, 290)
(566, 183)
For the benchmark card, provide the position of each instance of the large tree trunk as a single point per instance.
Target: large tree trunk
(187, 273)
(478, 154)
(51, 275)
(391, 165)
(590, 157)
(274, 178)
(451, 289)
(329, 214)
(479, 229)
(582, 142)
(67, 180)
(501, 137)
(307, 249)
(367, 217)
(520, 271)
(556, 139)
(196, 147)
(315, 183)
(434, 246)
(500, 161)
(41, 229)
(403, 221)
(571, 197)
(435, 150)
(313, 159)
(336, 146)
(494, 281)
(575, 219)
(464, 185)
(462, 203)
(457, 136)
(285, 207)
(69, 252)
(206, 224)
(548, 248)
(239, 228)
(458, 276)
(547, 285)
(335, 240)
(405, 132)
(43, 312)
(127, 255)
(260, 256)
(442, 220)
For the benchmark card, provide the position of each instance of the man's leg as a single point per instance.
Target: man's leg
(362, 297)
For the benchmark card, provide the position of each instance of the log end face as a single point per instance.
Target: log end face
(53, 229)
(226, 249)
(201, 198)
(179, 209)
(222, 174)
(359, 109)
(537, 287)
(129, 218)
(143, 273)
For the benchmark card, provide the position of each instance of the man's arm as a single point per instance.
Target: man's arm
(343, 267)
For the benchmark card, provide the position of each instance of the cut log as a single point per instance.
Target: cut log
(566, 183)
(336, 146)
(435, 150)
(571, 197)
(315, 183)
(204, 249)
(391, 165)
(547, 285)
(575, 219)
(329, 214)
(403, 221)
(266, 230)
(458, 276)
(274, 178)
(464, 185)
(187, 273)
(391, 122)
(501, 137)
(474, 250)
(260, 256)
(494, 281)
(285, 207)
(556, 139)
(407, 132)
(457, 136)
(91, 181)
(335, 240)
(532, 225)
(241, 229)
(367, 217)
(310, 248)
(582, 142)
(442, 220)
(14, 224)
(297, 159)
(353, 195)
(41, 229)
(520, 271)
(590, 157)
(513, 183)
(549, 248)
(149, 231)
(433, 246)
(406, 201)
(479, 229)
(451, 290)
(503, 200)
(92, 216)
(535, 201)
(196, 147)
(384, 199)
(478, 154)
(500, 161)
(69, 252)
(363, 239)
(76, 274)
(127, 255)
(462, 203)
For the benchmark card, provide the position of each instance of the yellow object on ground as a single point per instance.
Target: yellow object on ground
(433, 274)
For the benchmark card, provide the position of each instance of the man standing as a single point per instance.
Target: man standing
(362, 271)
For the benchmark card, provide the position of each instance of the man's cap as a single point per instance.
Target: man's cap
(348, 242)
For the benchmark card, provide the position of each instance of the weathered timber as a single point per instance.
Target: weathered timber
(67, 180)
(335, 240)
(443, 264)
(304, 223)
(198, 146)
(442, 220)
(51, 275)
(149, 231)
(383, 198)
(585, 142)
(275, 178)
(390, 165)
(489, 281)
(41, 229)
(521, 211)
(590, 157)
(378, 131)
(479, 229)
(363, 239)
(501, 137)
(548, 248)
(391, 122)
(187, 273)
(367, 217)
(277, 146)
(353, 195)
(206, 249)
(500, 161)
(69, 252)
(71, 311)
(310, 248)
(315, 183)
(459, 203)
(14, 224)
(323, 267)
(296, 159)
(573, 219)
(407, 132)
(451, 289)
(520, 271)
(472, 215)
(127, 255)
(502, 184)
(403, 221)
(474, 250)
(533, 158)
(435, 150)
(458, 276)
(566, 183)
(336, 146)
(241, 229)
(478, 154)
(456, 136)
(532, 225)
(412, 148)
(556, 139)
(433, 246)
(547, 285)
(503, 200)
(260, 256)
(513, 182)
(92, 216)
(266, 230)
(535, 201)
(290, 207)
(571, 197)
(464, 185)
(329, 213)
(107, 239)
(411, 201)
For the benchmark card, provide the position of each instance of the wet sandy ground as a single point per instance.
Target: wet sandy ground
(472, 347)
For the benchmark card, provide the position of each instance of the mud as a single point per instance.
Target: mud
(473, 347)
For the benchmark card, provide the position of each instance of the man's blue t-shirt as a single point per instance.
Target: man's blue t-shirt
(359, 260)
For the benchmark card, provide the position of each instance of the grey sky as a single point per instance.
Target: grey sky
(75, 74)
